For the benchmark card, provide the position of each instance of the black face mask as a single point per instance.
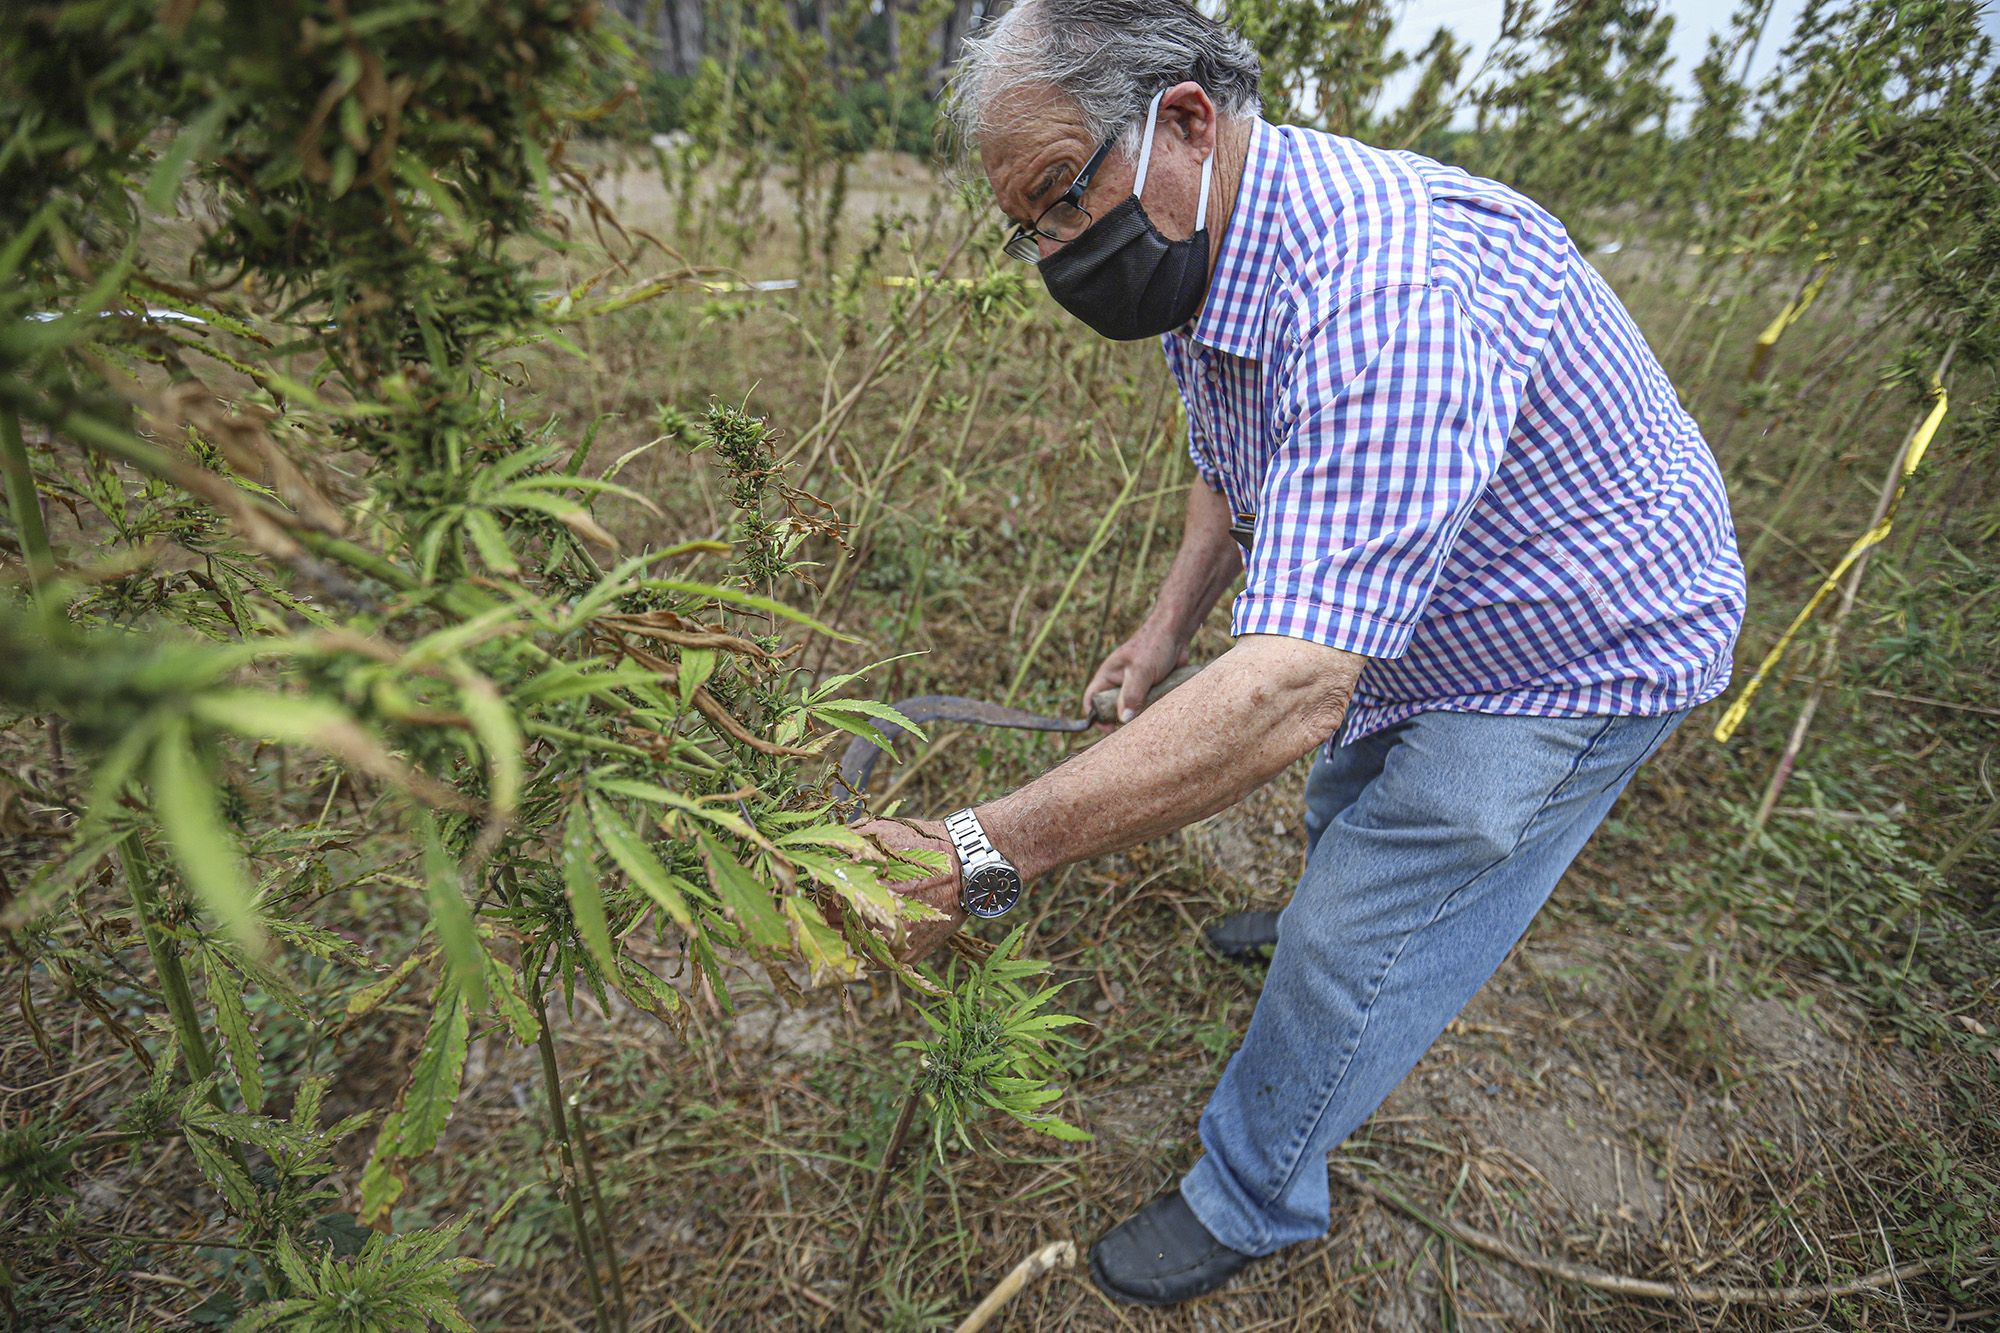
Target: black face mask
(1123, 278)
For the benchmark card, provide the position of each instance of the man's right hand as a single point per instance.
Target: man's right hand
(1134, 667)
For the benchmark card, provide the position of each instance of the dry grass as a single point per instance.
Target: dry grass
(737, 1160)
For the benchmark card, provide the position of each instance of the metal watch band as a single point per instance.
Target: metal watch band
(975, 850)
(988, 884)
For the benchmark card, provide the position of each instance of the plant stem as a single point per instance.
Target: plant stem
(167, 967)
(566, 1183)
(26, 507)
(880, 1188)
(603, 1217)
(559, 1129)
(24, 504)
(559, 1123)
(1096, 543)
(890, 345)
(174, 986)
(1805, 473)
(872, 489)
(1886, 502)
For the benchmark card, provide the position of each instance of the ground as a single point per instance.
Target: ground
(1023, 487)
(1545, 1114)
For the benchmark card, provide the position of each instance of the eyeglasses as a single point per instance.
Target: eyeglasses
(1062, 221)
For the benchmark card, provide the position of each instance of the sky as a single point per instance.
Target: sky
(1478, 22)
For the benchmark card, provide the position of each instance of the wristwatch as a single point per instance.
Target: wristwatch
(988, 883)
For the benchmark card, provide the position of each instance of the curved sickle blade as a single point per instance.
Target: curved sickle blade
(857, 764)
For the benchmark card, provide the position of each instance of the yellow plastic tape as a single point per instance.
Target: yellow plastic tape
(1787, 317)
(1793, 309)
(1920, 440)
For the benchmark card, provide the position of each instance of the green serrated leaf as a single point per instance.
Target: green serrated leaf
(273, 1137)
(586, 896)
(697, 665)
(225, 994)
(369, 997)
(867, 708)
(704, 958)
(412, 1129)
(490, 541)
(570, 680)
(858, 727)
(500, 733)
(202, 845)
(636, 859)
(835, 684)
(838, 836)
(860, 885)
(750, 600)
(504, 989)
(646, 990)
(824, 948)
(542, 502)
(591, 485)
(315, 940)
(451, 917)
(746, 900)
(224, 1172)
(1057, 1128)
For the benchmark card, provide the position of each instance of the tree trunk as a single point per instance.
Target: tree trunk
(684, 34)
(675, 32)
(951, 36)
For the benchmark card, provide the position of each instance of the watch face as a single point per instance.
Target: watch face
(990, 891)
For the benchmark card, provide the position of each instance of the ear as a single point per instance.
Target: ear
(1186, 113)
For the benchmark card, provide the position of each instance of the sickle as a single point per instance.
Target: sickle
(858, 762)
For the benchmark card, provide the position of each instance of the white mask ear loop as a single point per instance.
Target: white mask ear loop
(1146, 144)
(1146, 162)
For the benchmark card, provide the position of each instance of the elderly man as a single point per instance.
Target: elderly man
(1489, 561)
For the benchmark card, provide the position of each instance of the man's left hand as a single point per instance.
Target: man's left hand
(935, 891)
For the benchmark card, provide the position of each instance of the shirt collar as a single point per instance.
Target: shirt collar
(1232, 315)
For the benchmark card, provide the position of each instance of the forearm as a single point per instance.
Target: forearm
(1208, 561)
(1197, 750)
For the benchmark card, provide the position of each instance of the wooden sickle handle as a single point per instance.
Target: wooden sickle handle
(1104, 704)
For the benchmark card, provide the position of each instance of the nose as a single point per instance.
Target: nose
(1047, 246)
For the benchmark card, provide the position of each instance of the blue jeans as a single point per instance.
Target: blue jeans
(1430, 847)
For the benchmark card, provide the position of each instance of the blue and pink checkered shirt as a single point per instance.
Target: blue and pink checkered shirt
(1462, 459)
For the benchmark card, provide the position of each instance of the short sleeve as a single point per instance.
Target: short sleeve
(1395, 414)
(1184, 377)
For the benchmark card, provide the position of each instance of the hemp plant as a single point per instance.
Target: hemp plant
(994, 1047)
(364, 708)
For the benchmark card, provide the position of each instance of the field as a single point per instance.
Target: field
(1750, 1045)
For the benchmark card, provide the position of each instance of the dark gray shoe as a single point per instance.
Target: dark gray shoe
(1245, 937)
(1162, 1255)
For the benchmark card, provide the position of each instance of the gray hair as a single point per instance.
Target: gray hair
(1108, 56)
